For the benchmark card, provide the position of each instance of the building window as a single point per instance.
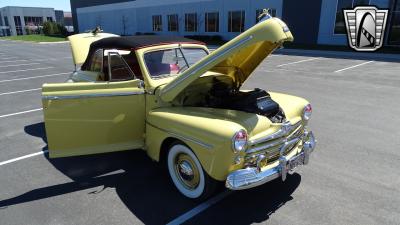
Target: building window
(236, 21)
(7, 30)
(6, 21)
(212, 22)
(18, 25)
(173, 22)
(157, 23)
(191, 22)
(340, 26)
(1, 20)
(271, 12)
(49, 19)
(394, 30)
(33, 21)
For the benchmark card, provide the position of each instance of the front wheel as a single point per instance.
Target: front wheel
(187, 173)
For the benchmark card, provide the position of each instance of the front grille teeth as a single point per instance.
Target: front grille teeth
(271, 144)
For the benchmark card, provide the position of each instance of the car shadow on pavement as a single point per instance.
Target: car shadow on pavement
(250, 206)
(146, 190)
(37, 130)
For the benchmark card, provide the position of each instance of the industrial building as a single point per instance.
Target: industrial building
(14, 19)
(65, 19)
(311, 21)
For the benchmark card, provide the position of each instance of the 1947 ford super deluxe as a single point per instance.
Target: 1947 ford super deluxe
(183, 105)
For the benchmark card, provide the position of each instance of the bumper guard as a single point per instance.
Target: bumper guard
(253, 176)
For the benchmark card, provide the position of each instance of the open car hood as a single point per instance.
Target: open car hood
(80, 44)
(238, 58)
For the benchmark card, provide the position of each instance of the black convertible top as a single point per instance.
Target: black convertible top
(135, 42)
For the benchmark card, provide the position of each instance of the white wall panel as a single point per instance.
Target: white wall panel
(140, 12)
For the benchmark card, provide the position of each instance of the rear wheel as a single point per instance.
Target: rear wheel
(187, 173)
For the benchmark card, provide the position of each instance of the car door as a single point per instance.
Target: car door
(95, 117)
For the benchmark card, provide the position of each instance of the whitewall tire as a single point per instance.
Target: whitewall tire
(186, 171)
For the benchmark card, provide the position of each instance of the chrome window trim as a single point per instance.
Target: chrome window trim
(196, 141)
(96, 95)
(181, 78)
(131, 73)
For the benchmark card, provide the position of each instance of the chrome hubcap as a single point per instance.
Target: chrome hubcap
(187, 172)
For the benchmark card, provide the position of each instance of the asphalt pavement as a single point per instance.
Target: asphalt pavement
(352, 178)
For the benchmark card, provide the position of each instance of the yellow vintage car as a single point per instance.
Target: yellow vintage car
(183, 105)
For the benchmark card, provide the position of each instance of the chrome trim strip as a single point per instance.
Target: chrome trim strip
(288, 144)
(97, 95)
(264, 147)
(285, 129)
(182, 78)
(196, 141)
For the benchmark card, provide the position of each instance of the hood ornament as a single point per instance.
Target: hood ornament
(264, 15)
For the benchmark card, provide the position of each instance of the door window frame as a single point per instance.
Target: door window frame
(131, 73)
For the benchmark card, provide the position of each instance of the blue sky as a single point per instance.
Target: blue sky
(56, 4)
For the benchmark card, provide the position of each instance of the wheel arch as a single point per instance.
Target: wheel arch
(165, 145)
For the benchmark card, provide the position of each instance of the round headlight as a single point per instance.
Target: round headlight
(239, 141)
(307, 111)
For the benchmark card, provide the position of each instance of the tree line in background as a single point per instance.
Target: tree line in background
(49, 28)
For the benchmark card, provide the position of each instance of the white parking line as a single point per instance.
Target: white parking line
(23, 157)
(198, 209)
(9, 58)
(304, 60)
(15, 92)
(24, 64)
(28, 78)
(36, 60)
(19, 113)
(351, 67)
(15, 71)
(18, 60)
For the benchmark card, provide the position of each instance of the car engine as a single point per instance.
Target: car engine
(256, 101)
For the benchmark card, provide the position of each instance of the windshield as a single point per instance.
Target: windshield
(171, 62)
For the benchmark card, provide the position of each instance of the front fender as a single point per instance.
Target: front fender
(207, 134)
(293, 106)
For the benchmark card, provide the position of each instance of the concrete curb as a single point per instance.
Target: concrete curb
(55, 42)
(334, 54)
(35, 42)
(340, 54)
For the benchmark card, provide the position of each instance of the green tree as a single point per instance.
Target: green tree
(54, 29)
(48, 28)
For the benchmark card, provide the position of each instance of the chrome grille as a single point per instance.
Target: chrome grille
(270, 145)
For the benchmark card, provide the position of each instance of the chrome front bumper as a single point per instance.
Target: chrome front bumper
(253, 176)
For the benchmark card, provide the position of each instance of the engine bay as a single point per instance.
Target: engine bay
(223, 93)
